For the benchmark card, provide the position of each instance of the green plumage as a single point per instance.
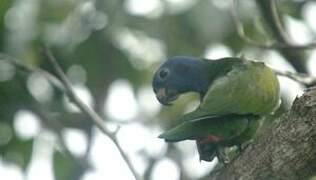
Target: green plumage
(225, 127)
(249, 88)
(240, 93)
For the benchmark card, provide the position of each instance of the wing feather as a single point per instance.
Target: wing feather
(249, 88)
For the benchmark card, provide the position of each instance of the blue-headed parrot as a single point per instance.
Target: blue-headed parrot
(234, 96)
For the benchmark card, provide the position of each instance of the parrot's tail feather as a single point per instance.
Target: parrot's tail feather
(169, 136)
(214, 126)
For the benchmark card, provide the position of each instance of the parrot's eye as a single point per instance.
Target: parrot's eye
(164, 73)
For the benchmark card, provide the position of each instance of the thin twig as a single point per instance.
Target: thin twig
(29, 69)
(94, 117)
(51, 124)
(273, 45)
(64, 85)
(240, 28)
(302, 78)
(277, 21)
(299, 77)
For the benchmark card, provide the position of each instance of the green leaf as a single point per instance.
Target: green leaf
(65, 168)
(18, 151)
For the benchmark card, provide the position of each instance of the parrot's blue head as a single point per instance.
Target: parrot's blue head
(178, 75)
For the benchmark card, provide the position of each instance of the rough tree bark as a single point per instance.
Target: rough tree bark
(286, 150)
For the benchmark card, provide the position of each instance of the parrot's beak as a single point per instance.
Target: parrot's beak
(165, 96)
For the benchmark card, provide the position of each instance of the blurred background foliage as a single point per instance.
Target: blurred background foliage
(110, 49)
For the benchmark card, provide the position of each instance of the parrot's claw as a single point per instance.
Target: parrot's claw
(222, 156)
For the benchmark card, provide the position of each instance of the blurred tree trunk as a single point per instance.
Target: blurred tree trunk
(286, 150)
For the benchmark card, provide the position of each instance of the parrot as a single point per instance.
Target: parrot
(235, 94)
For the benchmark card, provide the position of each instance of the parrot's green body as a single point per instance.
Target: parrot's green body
(239, 94)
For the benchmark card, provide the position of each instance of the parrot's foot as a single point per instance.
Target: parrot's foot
(222, 155)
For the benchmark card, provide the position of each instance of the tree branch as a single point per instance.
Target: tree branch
(295, 56)
(277, 22)
(302, 78)
(64, 85)
(285, 150)
(284, 44)
(94, 117)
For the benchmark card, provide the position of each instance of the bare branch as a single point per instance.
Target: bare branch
(29, 69)
(94, 117)
(277, 21)
(299, 77)
(65, 86)
(240, 28)
(274, 45)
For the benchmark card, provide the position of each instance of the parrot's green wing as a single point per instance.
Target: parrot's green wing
(221, 128)
(249, 88)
